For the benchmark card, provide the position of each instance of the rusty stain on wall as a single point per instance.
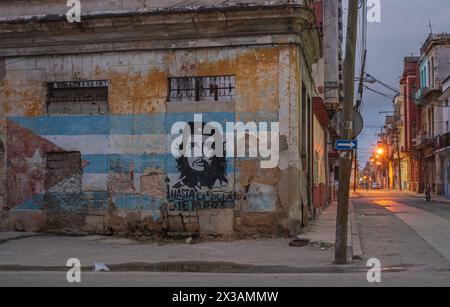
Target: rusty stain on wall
(135, 90)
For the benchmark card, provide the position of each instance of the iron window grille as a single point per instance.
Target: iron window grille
(77, 97)
(213, 88)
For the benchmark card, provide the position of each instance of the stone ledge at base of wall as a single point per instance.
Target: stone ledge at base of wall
(220, 223)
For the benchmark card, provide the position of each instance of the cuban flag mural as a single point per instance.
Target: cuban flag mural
(93, 162)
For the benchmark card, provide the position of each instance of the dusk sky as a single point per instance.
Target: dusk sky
(403, 28)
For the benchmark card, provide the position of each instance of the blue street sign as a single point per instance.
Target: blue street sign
(346, 145)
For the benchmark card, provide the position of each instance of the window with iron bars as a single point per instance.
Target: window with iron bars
(214, 88)
(77, 97)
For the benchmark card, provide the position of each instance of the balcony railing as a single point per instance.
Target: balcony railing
(423, 141)
(419, 95)
(426, 94)
(444, 141)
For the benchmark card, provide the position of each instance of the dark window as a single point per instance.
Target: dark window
(77, 97)
(215, 88)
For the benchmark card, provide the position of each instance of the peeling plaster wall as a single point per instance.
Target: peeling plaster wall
(3, 184)
(122, 181)
(126, 155)
(28, 8)
(3, 157)
(320, 165)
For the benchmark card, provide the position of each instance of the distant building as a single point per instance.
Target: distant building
(409, 116)
(392, 151)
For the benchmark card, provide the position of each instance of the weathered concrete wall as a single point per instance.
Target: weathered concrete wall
(125, 155)
(3, 148)
(320, 164)
(112, 171)
(331, 52)
(28, 8)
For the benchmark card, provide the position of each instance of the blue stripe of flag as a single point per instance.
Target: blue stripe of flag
(138, 124)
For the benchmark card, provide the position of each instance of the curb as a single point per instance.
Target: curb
(196, 267)
(357, 251)
(434, 198)
(355, 195)
(18, 237)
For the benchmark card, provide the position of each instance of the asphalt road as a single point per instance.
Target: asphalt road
(58, 279)
(403, 230)
(409, 236)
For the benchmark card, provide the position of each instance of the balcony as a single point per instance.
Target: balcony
(419, 95)
(426, 95)
(423, 142)
(443, 141)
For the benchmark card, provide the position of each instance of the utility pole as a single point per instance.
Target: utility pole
(395, 132)
(358, 106)
(345, 162)
(396, 141)
(399, 163)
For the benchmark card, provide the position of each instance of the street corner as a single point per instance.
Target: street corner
(224, 143)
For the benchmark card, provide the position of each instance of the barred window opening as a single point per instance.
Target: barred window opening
(214, 88)
(77, 97)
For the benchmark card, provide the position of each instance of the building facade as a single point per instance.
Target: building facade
(444, 139)
(434, 69)
(410, 123)
(320, 154)
(87, 111)
(402, 156)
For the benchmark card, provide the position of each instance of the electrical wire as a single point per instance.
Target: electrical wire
(384, 84)
(380, 93)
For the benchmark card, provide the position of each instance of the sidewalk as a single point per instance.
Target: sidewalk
(322, 231)
(436, 198)
(48, 252)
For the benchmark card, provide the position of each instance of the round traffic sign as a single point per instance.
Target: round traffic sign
(358, 123)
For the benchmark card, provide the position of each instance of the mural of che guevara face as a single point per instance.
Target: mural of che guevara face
(201, 173)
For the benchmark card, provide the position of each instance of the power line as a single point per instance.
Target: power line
(392, 88)
(379, 93)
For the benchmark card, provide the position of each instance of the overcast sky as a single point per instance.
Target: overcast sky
(401, 32)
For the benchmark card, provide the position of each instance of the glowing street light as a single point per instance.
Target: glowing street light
(380, 151)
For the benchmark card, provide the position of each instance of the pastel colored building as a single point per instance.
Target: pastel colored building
(434, 69)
